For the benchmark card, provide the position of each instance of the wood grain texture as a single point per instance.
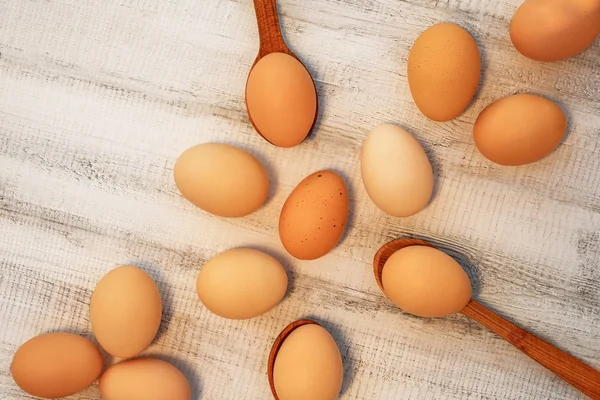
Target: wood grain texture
(97, 100)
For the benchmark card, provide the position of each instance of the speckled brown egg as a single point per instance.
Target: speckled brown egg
(314, 216)
(444, 67)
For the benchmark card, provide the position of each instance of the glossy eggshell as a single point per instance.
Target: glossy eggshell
(308, 365)
(144, 379)
(519, 129)
(444, 67)
(426, 282)
(554, 30)
(241, 283)
(125, 311)
(221, 179)
(56, 365)
(396, 171)
(281, 99)
(314, 216)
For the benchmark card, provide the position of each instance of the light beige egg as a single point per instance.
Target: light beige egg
(314, 216)
(56, 365)
(554, 30)
(427, 282)
(308, 365)
(241, 283)
(396, 171)
(519, 129)
(144, 379)
(125, 311)
(221, 179)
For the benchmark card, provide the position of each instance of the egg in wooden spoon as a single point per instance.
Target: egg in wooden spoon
(281, 97)
(427, 282)
(305, 363)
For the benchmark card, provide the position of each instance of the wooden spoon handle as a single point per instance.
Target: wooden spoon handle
(575, 372)
(271, 39)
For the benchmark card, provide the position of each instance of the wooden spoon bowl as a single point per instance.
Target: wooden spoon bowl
(277, 345)
(569, 368)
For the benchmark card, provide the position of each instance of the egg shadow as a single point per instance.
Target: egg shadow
(351, 205)
(483, 63)
(107, 359)
(273, 178)
(186, 368)
(284, 260)
(320, 90)
(165, 294)
(436, 165)
(345, 348)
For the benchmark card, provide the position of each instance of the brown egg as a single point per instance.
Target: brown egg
(308, 365)
(221, 179)
(241, 283)
(125, 311)
(314, 216)
(56, 365)
(519, 129)
(426, 282)
(554, 30)
(144, 379)
(281, 99)
(444, 67)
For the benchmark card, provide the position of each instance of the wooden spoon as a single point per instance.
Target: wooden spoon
(269, 31)
(271, 41)
(569, 368)
(277, 345)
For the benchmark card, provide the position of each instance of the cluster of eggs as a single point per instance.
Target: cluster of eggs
(444, 69)
(125, 313)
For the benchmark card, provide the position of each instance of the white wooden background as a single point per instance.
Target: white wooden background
(98, 98)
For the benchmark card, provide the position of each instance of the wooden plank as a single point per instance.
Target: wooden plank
(97, 100)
